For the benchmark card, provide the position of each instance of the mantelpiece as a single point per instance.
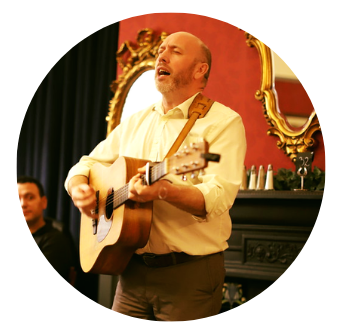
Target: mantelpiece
(269, 230)
(278, 194)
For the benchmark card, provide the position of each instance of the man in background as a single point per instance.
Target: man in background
(54, 244)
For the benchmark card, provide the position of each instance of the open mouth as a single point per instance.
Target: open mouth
(163, 72)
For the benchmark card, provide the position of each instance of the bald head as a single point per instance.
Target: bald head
(201, 51)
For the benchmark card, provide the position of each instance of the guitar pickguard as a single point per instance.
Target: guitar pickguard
(103, 228)
(105, 220)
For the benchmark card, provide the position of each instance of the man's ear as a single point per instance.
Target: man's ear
(44, 202)
(201, 70)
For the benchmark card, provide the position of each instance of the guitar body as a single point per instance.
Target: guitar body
(119, 232)
(108, 243)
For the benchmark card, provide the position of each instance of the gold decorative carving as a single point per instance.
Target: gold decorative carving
(291, 140)
(134, 59)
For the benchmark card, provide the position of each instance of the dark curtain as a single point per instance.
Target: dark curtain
(66, 119)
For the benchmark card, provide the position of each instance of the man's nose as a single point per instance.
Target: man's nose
(22, 202)
(163, 57)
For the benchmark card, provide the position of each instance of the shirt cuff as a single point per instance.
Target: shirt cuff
(214, 203)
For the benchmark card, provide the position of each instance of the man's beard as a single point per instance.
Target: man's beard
(177, 81)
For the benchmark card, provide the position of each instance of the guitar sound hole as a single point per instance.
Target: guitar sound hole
(110, 203)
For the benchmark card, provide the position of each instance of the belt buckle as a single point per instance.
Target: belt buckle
(147, 259)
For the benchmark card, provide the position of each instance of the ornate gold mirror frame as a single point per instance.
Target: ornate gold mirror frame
(291, 140)
(134, 60)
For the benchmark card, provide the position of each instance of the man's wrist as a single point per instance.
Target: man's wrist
(75, 181)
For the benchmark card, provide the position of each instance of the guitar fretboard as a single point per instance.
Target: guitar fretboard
(157, 172)
(120, 196)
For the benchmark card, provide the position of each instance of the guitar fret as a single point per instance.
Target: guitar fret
(120, 196)
(158, 171)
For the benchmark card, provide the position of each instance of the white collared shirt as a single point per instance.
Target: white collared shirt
(149, 134)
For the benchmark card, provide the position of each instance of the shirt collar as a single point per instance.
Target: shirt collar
(182, 108)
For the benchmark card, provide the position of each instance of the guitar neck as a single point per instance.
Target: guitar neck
(155, 172)
(188, 160)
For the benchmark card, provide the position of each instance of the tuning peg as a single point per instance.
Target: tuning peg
(202, 172)
(194, 175)
(185, 150)
(184, 178)
(176, 169)
(194, 146)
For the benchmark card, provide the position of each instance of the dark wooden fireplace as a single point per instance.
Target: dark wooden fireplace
(270, 229)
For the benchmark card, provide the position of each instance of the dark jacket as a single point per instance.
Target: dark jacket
(56, 247)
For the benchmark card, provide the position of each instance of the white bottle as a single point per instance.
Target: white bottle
(252, 179)
(261, 179)
(269, 178)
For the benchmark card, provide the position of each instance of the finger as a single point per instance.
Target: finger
(85, 202)
(82, 192)
(131, 188)
(86, 190)
(142, 170)
(134, 178)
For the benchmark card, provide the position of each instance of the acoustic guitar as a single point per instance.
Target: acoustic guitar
(108, 242)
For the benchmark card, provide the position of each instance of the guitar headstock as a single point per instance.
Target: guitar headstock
(191, 159)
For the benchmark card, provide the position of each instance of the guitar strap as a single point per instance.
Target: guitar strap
(198, 109)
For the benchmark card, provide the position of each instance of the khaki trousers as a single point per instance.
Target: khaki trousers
(186, 291)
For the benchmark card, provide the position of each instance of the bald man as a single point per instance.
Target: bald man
(178, 275)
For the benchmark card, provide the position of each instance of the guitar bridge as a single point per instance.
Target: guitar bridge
(96, 211)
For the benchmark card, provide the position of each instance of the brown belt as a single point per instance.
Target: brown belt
(165, 260)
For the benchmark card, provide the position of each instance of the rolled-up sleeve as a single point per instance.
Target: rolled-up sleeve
(221, 182)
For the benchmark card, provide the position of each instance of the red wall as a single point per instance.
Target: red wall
(293, 99)
(234, 78)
